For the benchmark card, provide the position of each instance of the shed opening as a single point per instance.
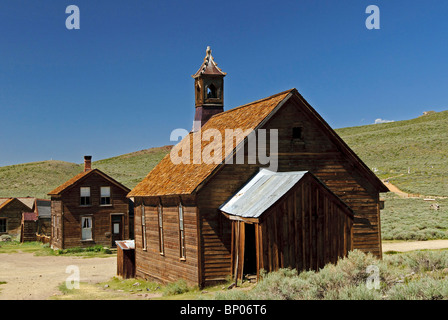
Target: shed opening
(250, 258)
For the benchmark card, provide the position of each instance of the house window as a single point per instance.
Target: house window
(85, 196)
(105, 196)
(143, 228)
(297, 133)
(86, 227)
(3, 225)
(181, 232)
(160, 220)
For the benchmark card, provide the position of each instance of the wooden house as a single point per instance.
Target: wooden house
(89, 209)
(181, 230)
(11, 210)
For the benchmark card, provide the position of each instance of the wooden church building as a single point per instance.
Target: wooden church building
(212, 210)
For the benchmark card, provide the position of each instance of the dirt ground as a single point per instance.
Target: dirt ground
(30, 277)
(404, 246)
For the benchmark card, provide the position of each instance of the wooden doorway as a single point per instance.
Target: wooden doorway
(244, 250)
(116, 228)
(250, 256)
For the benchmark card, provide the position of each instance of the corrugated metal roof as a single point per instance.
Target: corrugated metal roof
(261, 192)
(43, 208)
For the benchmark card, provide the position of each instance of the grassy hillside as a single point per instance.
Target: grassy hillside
(36, 179)
(131, 168)
(412, 153)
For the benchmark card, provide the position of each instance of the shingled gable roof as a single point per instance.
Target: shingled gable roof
(168, 178)
(72, 182)
(364, 169)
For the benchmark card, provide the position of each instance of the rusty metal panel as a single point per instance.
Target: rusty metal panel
(126, 244)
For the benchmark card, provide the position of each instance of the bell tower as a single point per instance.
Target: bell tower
(209, 91)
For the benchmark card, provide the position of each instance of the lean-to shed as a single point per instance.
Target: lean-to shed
(286, 219)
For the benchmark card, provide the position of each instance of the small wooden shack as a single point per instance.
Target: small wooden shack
(286, 220)
(126, 259)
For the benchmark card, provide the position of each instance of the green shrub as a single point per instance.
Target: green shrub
(233, 295)
(426, 288)
(5, 237)
(422, 261)
(354, 292)
(178, 287)
(75, 250)
(345, 280)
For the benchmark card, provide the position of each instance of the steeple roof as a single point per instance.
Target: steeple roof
(209, 66)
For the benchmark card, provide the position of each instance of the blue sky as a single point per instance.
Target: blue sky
(122, 82)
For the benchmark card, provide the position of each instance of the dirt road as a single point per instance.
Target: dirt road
(30, 277)
(414, 245)
(395, 189)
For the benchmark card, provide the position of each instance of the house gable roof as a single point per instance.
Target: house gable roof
(345, 149)
(81, 176)
(4, 204)
(168, 178)
(12, 200)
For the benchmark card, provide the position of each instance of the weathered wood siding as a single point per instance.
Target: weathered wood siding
(125, 263)
(28, 232)
(317, 153)
(71, 212)
(56, 224)
(215, 229)
(169, 266)
(44, 226)
(314, 152)
(306, 229)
